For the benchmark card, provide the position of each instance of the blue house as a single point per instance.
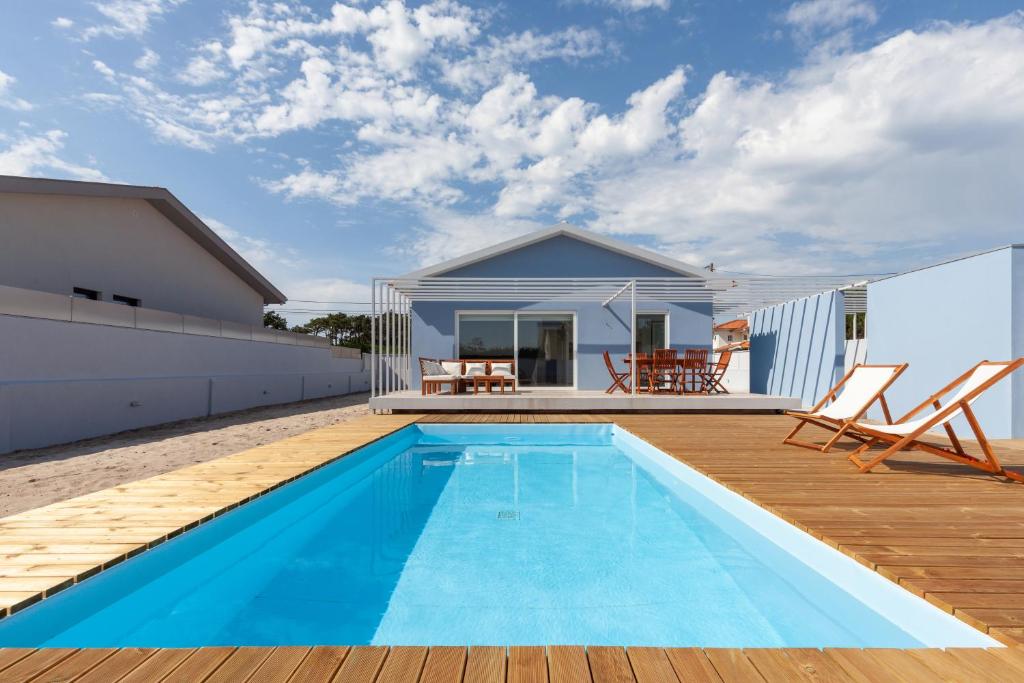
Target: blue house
(563, 321)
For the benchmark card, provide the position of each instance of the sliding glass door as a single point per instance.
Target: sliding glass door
(543, 344)
(545, 350)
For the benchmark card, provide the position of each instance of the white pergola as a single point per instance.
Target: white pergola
(730, 296)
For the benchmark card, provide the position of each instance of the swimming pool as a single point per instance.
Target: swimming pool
(493, 534)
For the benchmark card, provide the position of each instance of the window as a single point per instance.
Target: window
(730, 337)
(855, 325)
(126, 300)
(650, 332)
(83, 293)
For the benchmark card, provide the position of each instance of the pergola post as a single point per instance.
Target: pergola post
(373, 337)
(632, 337)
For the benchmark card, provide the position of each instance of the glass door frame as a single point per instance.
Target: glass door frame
(515, 336)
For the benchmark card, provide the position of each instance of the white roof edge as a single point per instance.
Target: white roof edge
(554, 231)
(951, 259)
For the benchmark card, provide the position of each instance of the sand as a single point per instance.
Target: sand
(30, 479)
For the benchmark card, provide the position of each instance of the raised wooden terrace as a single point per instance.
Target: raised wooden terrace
(939, 529)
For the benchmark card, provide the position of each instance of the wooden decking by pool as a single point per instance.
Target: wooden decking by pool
(945, 532)
(555, 664)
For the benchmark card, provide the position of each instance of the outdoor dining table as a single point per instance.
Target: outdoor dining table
(647, 361)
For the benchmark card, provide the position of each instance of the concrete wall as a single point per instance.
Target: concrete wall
(946, 318)
(117, 246)
(598, 328)
(63, 381)
(796, 348)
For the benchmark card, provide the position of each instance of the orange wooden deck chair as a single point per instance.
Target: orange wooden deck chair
(847, 401)
(715, 373)
(620, 379)
(905, 433)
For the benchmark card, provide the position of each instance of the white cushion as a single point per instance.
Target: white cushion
(440, 378)
(501, 368)
(476, 369)
(452, 367)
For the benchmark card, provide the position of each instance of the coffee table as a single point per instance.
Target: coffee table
(488, 381)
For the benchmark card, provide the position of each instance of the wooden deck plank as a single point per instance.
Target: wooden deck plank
(609, 665)
(35, 663)
(691, 664)
(280, 665)
(362, 664)
(81, 662)
(568, 664)
(774, 665)
(485, 665)
(527, 664)
(444, 664)
(403, 665)
(133, 665)
(732, 666)
(198, 665)
(320, 664)
(11, 656)
(242, 664)
(651, 665)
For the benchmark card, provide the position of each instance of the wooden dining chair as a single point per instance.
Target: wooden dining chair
(620, 380)
(694, 365)
(664, 370)
(716, 372)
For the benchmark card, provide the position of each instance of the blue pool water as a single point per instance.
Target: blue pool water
(482, 534)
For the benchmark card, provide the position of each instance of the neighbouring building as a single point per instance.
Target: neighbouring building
(559, 341)
(125, 244)
(120, 308)
(732, 335)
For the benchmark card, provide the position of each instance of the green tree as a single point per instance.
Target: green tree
(274, 320)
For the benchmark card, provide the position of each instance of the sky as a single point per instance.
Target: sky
(330, 142)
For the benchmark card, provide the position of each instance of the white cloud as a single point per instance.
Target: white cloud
(913, 143)
(62, 23)
(632, 5)
(808, 16)
(38, 154)
(127, 17)
(147, 60)
(6, 98)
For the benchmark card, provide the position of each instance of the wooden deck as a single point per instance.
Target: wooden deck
(557, 664)
(941, 530)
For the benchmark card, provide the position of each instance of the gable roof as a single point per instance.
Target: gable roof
(164, 202)
(560, 230)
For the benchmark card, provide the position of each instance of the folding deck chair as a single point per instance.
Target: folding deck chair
(861, 387)
(905, 433)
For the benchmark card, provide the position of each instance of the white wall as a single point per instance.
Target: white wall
(737, 376)
(63, 381)
(117, 246)
(943, 320)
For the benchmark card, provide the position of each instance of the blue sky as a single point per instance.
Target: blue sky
(329, 142)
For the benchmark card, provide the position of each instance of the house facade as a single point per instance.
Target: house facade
(557, 343)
